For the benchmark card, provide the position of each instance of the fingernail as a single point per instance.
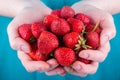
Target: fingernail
(105, 39)
(78, 67)
(47, 67)
(59, 72)
(25, 49)
(84, 55)
(63, 74)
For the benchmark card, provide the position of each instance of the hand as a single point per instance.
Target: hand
(99, 55)
(28, 15)
(50, 67)
(31, 14)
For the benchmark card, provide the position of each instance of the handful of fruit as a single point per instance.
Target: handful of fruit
(61, 35)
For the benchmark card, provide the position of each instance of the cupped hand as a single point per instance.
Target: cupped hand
(28, 15)
(108, 32)
(50, 67)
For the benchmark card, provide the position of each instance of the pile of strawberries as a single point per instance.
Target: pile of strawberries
(61, 35)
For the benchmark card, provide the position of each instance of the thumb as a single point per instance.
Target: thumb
(105, 36)
(108, 29)
(19, 44)
(16, 42)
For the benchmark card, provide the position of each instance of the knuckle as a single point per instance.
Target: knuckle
(39, 68)
(113, 33)
(83, 75)
(108, 16)
(14, 45)
(8, 28)
(84, 70)
(29, 70)
(93, 72)
(102, 59)
(47, 73)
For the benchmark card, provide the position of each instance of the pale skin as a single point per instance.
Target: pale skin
(93, 8)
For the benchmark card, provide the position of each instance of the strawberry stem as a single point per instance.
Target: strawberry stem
(52, 54)
(95, 27)
(32, 39)
(83, 31)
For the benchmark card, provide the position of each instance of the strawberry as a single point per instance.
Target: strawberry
(34, 46)
(36, 55)
(32, 55)
(48, 19)
(37, 28)
(71, 39)
(40, 56)
(91, 27)
(75, 41)
(76, 25)
(25, 32)
(67, 12)
(65, 56)
(84, 60)
(56, 12)
(47, 42)
(84, 18)
(93, 39)
(60, 27)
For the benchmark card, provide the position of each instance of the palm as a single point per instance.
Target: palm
(107, 24)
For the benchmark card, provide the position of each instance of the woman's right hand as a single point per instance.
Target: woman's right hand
(28, 15)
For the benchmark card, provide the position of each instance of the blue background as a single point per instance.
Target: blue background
(12, 69)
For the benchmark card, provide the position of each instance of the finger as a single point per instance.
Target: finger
(74, 72)
(85, 68)
(58, 70)
(31, 65)
(53, 64)
(96, 55)
(106, 22)
(63, 74)
(108, 29)
(16, 42)
(23, 18)
(97, 15)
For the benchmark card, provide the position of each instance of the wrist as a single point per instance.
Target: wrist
(112, 7)
(14, 7)
(36, 6)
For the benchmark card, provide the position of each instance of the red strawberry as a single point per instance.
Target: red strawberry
(84, 60)
(71, 39)
(56, 12)
(36, 55)
(32, 55)
(40, 56)
(25, 32)
(60, 27)
(47, 42)
(76, 25)
(37, 28)
(65, 56)
(84, 18)
(93, 39)
(34, 48)
(90, 27)
(67, 12)
(48, 19)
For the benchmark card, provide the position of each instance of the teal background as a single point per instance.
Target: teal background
(12, 69)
